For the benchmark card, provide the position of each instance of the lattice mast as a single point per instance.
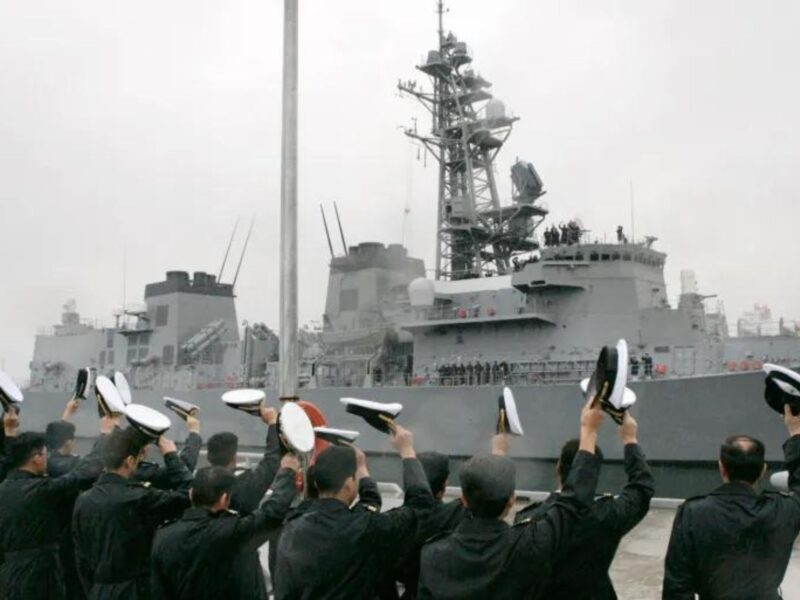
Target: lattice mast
(476, 235)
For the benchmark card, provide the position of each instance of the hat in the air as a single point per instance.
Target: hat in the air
(338, 437)
(378, 414)
(295, 430)
(83, 383)
(508, 417)
(108, 398)
(247, 400)
(607, 385)
(147, 420)
(124, 388)
(780, 481)
(782, 387)
(181, 408)
(10, 394)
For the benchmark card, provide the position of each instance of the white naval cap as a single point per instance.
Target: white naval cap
(247, 400)
(181, 408)
(147, 420)
(10, 394)
(607, 385)
(378, 414)
(338, 437)
(780, 481)
(295, 429)
(124, 388)
(508, 417)
(108, 397)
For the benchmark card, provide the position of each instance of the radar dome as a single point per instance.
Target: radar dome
(421, 292)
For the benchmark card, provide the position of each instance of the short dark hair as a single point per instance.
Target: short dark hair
(24, 447)
(121, 444)
(209, 484)
(487, 483)
(743, 458)
(437, 470)
(568, 452)
(222, 448)
(59, 433)
(333, 467)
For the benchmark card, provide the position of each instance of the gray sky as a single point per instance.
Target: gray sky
(151, 125)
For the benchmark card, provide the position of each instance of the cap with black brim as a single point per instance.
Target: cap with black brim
(147, 420)
(83, 383)
(508, 417)
(181, 408)
(248, 400)
(124, 387)
(109, 402)
(782, 387)
(10, 394)
(607, 385)
(338, 437)
(295, 430)
(378, 414)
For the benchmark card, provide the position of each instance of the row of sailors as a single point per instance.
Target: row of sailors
(473, 374)
(141, 531)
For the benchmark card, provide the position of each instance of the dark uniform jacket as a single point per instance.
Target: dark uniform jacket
(159, 476)
(581, 570)
(113, 528)
(58, 465)
(444, 518)
(251, 485)
(485, 558)
(334, 552)
(32, 522)
(734, 543)
(215, 555)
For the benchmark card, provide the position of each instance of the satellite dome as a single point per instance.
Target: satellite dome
(421, 292)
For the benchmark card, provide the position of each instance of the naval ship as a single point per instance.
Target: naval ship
(515, 300)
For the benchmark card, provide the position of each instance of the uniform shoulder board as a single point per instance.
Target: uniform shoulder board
(779, 493)
(370, 507)
(523, 521)
(168, 522)
(437, 537)
(600, 497)
(691, 498)
(239, 471)
(230, 511)
(144, 484)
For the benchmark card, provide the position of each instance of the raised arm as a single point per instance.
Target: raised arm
(396, 525)
(252, 485)
(191, 447)
(546, 536)
(10, 432)
(369, 497)
(631, 506)
(255, 527)
(791, 449)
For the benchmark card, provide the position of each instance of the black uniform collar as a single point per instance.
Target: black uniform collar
(112, 478)
(734, 488)
(20, 474)
(331, 505)
(198, 513)
(476, 526)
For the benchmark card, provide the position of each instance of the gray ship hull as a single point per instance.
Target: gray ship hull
(682, 422)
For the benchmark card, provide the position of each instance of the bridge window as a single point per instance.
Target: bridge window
(162, 315)
(168, 355)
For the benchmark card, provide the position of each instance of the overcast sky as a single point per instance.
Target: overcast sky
(151, 125)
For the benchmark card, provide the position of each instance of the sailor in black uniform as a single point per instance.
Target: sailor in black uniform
(736, 542)
(251, 485)
(114, 522)
(32, 519)
(484, 557)
(212, 551)
(580, 571)
(331, 551)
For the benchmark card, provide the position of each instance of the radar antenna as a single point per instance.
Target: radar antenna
(477, 236)
(244, 250)
(227, 251)
(327, 231)
(341, 231)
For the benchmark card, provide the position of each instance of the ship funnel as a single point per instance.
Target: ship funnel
(421, 292)
(688, 283)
